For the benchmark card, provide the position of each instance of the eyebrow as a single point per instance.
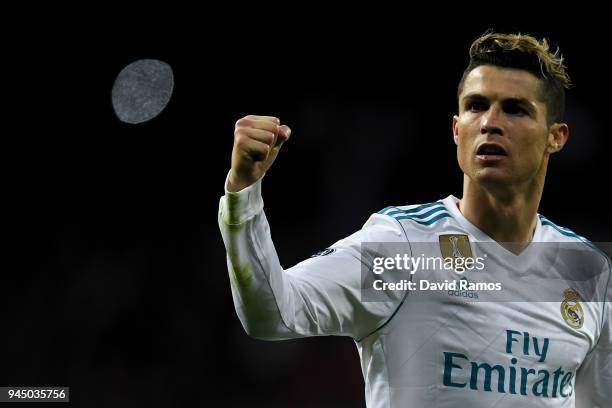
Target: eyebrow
(518, 101)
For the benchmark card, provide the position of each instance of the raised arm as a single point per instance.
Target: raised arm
(319, 296)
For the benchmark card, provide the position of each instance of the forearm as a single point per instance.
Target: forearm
(260, 290)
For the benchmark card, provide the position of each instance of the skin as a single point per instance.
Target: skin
(257, 142)
(501, 197)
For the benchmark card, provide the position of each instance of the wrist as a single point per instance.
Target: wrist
(241, 205)
(234, 184)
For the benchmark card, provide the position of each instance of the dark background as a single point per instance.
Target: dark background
(114, 280)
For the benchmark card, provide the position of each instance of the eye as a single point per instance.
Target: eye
(476, 106)
(515, 110)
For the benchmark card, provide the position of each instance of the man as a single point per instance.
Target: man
(552, 348)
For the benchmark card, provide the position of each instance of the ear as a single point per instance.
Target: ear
(557, 137)
(456, 129)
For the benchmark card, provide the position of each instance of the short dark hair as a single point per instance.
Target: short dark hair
(524, 52)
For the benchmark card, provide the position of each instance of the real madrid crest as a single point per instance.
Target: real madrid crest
(571, 310)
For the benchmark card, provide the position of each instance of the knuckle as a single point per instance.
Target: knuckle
(272, 127)
(244, 122)
(239, 142)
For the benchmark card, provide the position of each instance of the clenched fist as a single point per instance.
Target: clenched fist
(257, 141)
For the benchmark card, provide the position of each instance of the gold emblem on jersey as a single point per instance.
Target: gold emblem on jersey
(571, 310)
(455, 246)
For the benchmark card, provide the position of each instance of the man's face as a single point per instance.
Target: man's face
(501, 131)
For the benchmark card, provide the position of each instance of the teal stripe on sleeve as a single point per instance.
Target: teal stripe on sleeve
(428, 222)
(410, 210)
(426, 214)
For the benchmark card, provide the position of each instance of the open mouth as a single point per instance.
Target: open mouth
(490, 149)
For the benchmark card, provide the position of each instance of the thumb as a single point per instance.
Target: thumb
(284, 132)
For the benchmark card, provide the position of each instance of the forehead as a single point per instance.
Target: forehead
(497, 83)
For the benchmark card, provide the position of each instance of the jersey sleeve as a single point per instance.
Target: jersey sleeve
(594, 378)
(318, 296)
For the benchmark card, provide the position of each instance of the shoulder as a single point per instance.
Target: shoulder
(414, 220)
(400, 224)
(578, 244)
(418, 215)
(423, 214)
(556, 233)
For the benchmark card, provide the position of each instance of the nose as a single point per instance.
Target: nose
(491, 121)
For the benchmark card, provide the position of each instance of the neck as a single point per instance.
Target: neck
(506, 214)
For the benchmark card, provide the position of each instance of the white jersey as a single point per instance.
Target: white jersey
(446, 350)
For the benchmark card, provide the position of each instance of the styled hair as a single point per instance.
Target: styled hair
(522, 51)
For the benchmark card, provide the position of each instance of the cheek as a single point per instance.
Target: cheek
(464, 147)
(465, 138)
(528, 156)
(533, 144)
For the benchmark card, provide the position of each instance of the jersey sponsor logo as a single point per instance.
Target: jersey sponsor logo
(323, 252)
(571, 309)
(525, 372)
